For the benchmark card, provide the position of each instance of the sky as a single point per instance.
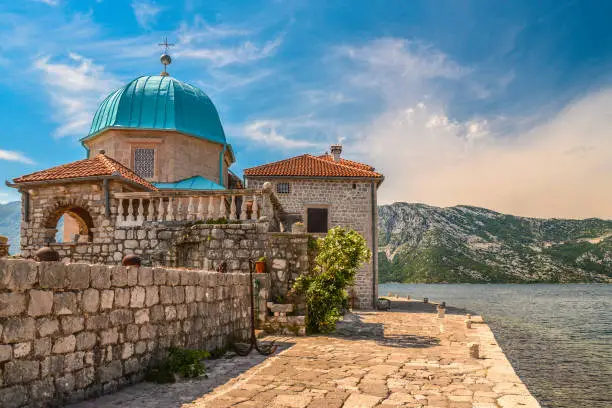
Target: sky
(501, 104)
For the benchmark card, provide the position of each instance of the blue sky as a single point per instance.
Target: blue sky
(503, 104)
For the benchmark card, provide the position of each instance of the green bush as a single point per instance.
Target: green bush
(340, 253)
(187, 363)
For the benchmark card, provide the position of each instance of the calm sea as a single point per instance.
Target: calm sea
(557, 337)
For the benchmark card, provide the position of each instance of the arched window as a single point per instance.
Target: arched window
(74, 223)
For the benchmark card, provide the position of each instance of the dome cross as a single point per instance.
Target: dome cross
(165, 58)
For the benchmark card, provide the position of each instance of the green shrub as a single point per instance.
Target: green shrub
(180, 361)
(340, 253)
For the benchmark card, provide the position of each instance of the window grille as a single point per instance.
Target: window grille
(144, 163)
(283, 188)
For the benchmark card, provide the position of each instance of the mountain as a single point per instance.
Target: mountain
(10, 218)
(422, 243)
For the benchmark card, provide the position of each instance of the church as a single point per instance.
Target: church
(158, 167)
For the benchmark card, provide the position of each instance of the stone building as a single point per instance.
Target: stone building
(323, 192)
(158, 164)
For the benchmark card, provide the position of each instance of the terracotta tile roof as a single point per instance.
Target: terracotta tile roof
(307, 165)
(100, 165)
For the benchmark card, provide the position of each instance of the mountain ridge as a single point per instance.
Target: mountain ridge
(424, 243)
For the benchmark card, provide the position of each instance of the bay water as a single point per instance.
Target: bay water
(557, 337)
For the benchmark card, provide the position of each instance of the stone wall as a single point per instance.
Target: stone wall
(288, 258)
(349, 204)
(69, 332)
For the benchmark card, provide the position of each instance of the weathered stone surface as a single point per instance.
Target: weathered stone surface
(12, 304)
(6, 352)
(47, 326)
(77, 276)
(42, 390)
(52, 275)
(40, 302)
(151, 296)
(19, 330)
(110, 371)
(119, 276)
(106, 299)
(42, 347)
(91, 300)
(13, 397)
(21, 371)
(65, 344)
(101, 276)
(86, 340)
(18, 274)
(72, 324)
(64, 303)
(22, 349)
(122, 297)
(137, 298)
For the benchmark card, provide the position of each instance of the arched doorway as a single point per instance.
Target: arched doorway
(76, 222)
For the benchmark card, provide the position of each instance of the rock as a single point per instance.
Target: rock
(131, 260)
(41, 302)
(46, 254)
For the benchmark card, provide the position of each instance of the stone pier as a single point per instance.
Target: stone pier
(408, 357)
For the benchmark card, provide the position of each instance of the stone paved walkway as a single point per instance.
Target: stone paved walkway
(407, 357)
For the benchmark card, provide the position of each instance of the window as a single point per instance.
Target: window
(144, 162)
(283, 188)
(317, 219)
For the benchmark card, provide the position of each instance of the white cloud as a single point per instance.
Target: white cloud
(76, 89)
(146, 12)
(49, 2)
(264, 131)
(238, 54)
(10, 155)
(558, 167)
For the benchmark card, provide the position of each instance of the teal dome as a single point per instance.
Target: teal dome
(159, 102)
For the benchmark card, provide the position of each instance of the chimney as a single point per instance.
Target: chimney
(336, 150)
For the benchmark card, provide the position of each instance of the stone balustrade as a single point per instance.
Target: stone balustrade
(242, 205)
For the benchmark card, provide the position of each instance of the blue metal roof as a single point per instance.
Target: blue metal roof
(192, 183)
(159, 102)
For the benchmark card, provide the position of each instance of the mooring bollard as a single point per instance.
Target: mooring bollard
(473, 350)
(443, 305)
(468, 323)
(425, 300)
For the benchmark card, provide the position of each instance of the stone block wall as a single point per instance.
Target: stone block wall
(288, 258)
(69, 332)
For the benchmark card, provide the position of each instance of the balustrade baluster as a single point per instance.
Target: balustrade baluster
(150, 210)
(222, 207)
(211, 208)
(170, 212)
(130, 214)
(160, 210)
(200, 208)
(243, 209)
(179, 209)
(190, 210)
(255, 209)
(233, 208)
(122, 214)
(140, 214)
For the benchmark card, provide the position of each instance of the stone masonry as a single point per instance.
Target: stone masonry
(69, 332)
(349, 204)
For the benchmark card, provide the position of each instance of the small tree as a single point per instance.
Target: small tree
(340, 253)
